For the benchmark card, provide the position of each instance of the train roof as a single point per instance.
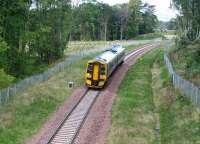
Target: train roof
(109, 54)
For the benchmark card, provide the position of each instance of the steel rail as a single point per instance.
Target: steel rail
(71, 125)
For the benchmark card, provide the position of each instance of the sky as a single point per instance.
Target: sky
(163, 12)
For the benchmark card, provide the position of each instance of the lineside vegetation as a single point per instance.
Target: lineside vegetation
(186, 55)
(149, 110)
(26, 112)
(35, 33)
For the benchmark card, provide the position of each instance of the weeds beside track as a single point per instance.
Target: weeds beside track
(149, 110)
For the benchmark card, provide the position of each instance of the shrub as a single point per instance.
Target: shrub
(5, 79)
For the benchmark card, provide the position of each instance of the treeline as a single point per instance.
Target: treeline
(35, 33)
(99, 21)
(188, 31)
(189, 19)
(32, 33)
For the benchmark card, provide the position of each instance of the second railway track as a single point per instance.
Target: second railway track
(68, 130)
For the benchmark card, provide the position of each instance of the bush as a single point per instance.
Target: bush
(5, 79)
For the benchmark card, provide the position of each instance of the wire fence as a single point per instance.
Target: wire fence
(187, 88)
(7, 93)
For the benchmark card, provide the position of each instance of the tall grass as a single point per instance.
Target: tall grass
(133, 118)
(149, 110)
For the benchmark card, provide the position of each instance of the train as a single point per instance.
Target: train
(100, 68)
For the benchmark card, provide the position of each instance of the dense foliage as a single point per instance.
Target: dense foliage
(189, 19)
(34, 33)
(98, 21)
(187, 53)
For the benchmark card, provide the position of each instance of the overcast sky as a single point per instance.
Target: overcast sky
(163, 11)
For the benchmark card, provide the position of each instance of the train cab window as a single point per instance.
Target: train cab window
(90, 68)
(114, 51)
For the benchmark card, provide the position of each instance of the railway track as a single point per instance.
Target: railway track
(68, 130)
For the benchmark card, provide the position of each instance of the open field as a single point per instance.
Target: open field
(149, 110)
(149, 36)
(77, 46)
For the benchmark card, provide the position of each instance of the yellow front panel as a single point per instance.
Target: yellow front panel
(88, 82)
(101, 83)
(96, 72)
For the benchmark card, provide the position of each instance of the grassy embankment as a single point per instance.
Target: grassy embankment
(186, 60)
(149, 110)
(25, 113)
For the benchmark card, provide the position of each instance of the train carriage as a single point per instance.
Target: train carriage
(101, 67)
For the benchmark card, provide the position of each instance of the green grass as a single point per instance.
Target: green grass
(77, 46)
(133, 47)
(179, 118)
(133, 118)
(149, 36)
(26, 112)
(149, 110)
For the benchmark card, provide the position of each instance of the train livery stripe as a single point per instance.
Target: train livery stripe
(96, 72)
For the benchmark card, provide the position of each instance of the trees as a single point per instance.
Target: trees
(172, 25)
(134, 20)
(51, 22)
(123, 13)
(188, 40)
(35, 31)
(189, 19)
(98, 21)
(105, 14)
(148, 19)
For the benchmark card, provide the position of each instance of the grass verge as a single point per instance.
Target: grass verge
(26, 112)
(149, 110)
(133, 118)
(179, 118)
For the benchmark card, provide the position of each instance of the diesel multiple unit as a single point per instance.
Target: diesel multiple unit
(101, 67)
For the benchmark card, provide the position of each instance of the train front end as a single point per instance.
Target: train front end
(96, 74)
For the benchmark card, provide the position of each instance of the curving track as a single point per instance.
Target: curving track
(68, 130)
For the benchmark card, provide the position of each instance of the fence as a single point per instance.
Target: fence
(188, 89)
(6, 93)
